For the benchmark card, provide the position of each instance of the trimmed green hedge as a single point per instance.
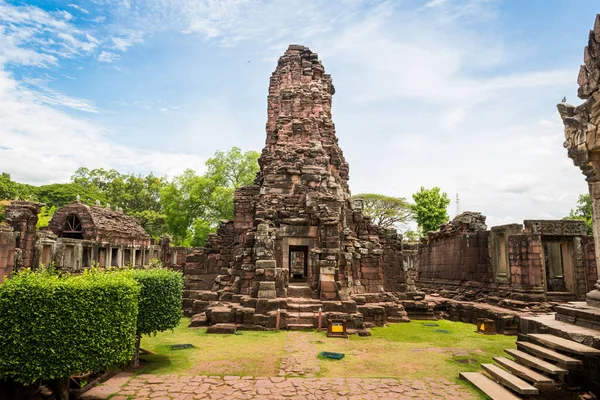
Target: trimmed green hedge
(160, 299)
(53, 327)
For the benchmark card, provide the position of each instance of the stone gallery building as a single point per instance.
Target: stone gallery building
(78, 236)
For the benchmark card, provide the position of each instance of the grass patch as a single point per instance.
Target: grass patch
(251, 353)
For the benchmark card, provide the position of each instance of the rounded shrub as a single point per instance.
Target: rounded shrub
(52, 327)
(160, 302)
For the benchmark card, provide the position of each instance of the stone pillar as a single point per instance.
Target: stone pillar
(166, 251)
(593, 297)
(108, 261)
(7, 251)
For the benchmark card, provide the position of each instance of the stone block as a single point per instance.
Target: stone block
(222, 328)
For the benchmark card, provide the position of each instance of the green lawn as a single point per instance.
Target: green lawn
(413, 351)
(252, 353)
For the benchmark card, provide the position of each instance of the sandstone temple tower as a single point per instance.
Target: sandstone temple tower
(582, 135)
(296, 232)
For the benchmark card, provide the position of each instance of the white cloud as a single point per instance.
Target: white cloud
(127, 38)
(453, 118)
(41, 144)
(108, 57)
(78, 8)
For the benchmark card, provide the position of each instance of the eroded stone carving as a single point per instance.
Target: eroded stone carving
(582, 132)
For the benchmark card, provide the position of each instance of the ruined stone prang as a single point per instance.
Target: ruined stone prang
(582, 134)
(301, 160)
(295, 232)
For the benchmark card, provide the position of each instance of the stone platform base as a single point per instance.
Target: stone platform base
(296, 313)
(507, 320)
(579, 313)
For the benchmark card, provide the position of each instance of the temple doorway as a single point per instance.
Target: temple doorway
(298, 263)
(558, 260)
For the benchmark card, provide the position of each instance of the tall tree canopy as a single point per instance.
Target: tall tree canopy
(386, 211)
(583, 211)
(233, 168)
(430, 208)
(194, 205)
(11, 190)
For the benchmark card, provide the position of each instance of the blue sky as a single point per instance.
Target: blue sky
(459, 94)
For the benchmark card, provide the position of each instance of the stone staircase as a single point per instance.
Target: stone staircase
(303, 313)
(539, 367)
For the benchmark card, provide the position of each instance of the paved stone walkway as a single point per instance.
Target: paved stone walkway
(168, 387)
(299, 359)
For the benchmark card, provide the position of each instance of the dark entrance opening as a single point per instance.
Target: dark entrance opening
(558, 259)
(298, 263)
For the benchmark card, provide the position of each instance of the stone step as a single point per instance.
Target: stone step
(299, 291)
(536, 350)
(566, 345)
(301, 317)
(536, 363)
(509, 380)
(303, 300)
(523, 372)
(488, 386)
(579, 313)
(304, 307)
(299, 327)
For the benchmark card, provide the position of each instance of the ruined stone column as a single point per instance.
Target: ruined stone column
(7, 251)
(23, 217)
(582, 135)
(593, 297)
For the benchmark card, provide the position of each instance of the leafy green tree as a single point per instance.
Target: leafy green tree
(45, 216)
(194, 205)
(233, 168)
(430, 208)
(11, 190)
(386, 211)
(583, 211)
(59, 194)
(186, 199)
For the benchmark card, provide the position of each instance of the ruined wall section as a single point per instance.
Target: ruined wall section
(23, 217)
(539, 261)
(458, 252)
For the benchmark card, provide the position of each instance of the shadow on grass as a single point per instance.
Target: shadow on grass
(154, 363)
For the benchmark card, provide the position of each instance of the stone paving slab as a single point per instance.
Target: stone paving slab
(111, 386)
(169, 387)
